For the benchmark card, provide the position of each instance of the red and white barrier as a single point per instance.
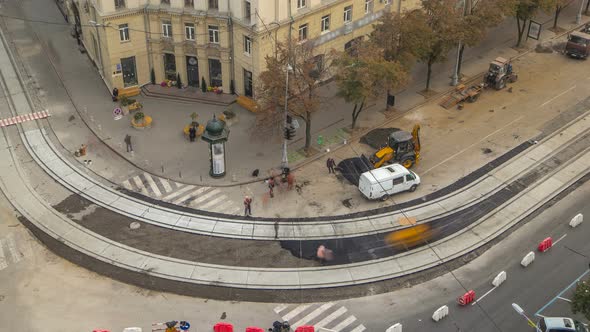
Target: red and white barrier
(577, 220)
(499, 279)
(23, 118)
(528, 259)
(440, 313)
(546, 244)
(395, 328)
(466, 298)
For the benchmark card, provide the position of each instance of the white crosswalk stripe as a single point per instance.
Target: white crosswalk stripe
(13, 249)
(205, 198)
(152, 184)
(313, 314)
(320, 315)
(3, 261)
(293, 313)
(326, 321)
(343, 324)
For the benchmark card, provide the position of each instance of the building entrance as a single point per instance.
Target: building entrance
(192, 71)
(129, 71)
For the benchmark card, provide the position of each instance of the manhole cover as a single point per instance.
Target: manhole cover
(134, 225)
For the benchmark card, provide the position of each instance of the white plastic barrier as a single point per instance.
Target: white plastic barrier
(440, 313)
(395, 328)
(528, 259)
(577, 220)
(499, 279)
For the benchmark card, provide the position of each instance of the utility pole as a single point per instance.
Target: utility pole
(285, 158)
(455, 78)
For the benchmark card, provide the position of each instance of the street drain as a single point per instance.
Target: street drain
(134, 225)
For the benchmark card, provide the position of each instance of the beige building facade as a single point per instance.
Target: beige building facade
(221, 42)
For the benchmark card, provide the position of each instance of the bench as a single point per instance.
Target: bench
(247, 103)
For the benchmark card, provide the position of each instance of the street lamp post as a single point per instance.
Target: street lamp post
(521, 312)
(285, 159)
(579, 15)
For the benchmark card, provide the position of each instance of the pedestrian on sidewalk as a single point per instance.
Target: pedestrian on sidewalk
(330, 163)
(115, 93)
(276, 229)
(271, 186)
(128, 143)
(192, 133)
(247, 206)
(290, 180)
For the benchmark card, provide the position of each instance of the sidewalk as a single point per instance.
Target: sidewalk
(163, 151)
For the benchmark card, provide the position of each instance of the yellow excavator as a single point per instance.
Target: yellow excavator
(402, 147)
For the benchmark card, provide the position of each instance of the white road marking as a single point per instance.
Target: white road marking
(11, 244)
(179, 192)
(281, 308)
(313, 314)
(214, 201)
(481, 297)
(563, 298)
(559, 95)
(561, 238)
(206, 196)
(3, 262)
(293, 313)
(127, 185)
(331, 317)
(140, 185)
(349, 320)
(359, 328)
(166, 185)
(472, 145)
(189, 195)
(152, 184)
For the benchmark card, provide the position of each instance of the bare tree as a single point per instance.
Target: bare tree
(366, 75)
(307, 71)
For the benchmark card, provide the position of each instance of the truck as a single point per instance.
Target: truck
(578, 43)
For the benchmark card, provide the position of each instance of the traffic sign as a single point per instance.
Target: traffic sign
(117, 113)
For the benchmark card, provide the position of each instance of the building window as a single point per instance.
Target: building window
(300, 4)
(214, 34)
(352, 47)
(189, 3)
(368, 6)
(167, 29)
(213, 4)
(347, 14)
(247, 10)
(119, 4)
(326, 23)
(189, 30)
(247, 45)
(303, 32)
(124, 32)
(165, 2)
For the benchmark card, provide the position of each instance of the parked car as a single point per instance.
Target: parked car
(388, 180)
(560, 324)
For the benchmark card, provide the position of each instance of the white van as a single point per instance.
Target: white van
(385, 181)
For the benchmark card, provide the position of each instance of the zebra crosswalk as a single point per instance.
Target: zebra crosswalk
(323, 316)
(205, 198)
(13, 249)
